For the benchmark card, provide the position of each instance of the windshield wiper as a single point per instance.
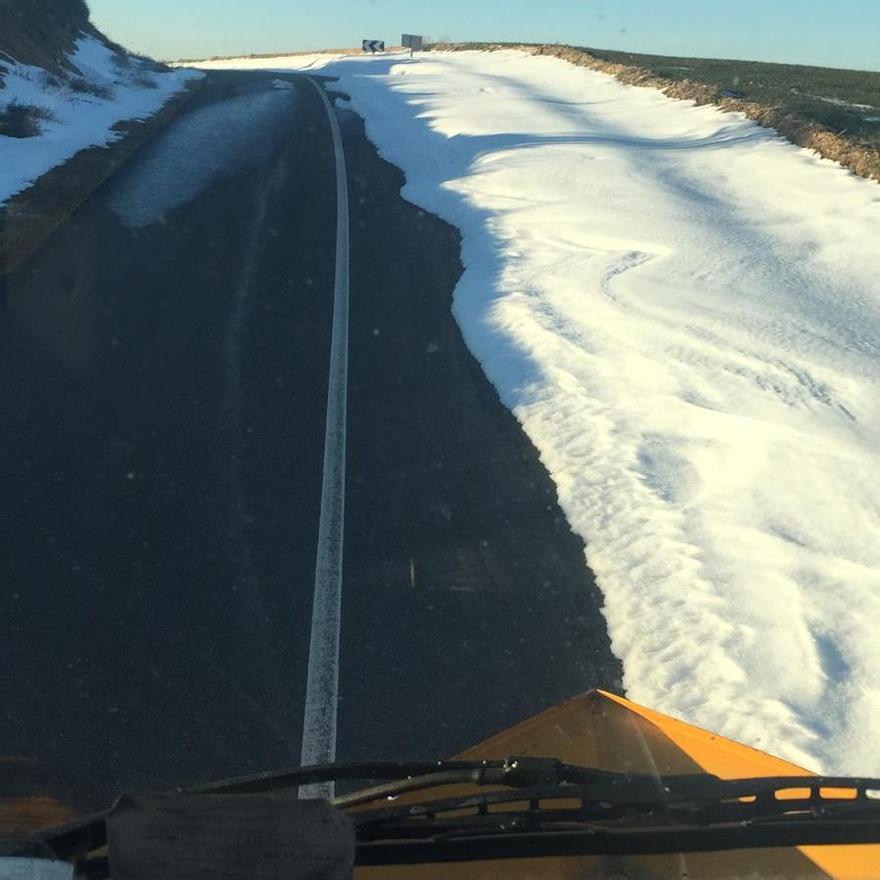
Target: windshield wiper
(623, 814)
(405, 775)
(533, 807)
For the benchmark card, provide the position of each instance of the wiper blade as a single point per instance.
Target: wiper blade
(698, 793)
(624, 815)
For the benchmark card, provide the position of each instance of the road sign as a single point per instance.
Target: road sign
(373, 45)
(411, 41)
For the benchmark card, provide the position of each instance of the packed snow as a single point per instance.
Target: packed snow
(80, 110)
(683, 311)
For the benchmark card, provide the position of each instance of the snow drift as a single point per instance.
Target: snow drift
(683, 311)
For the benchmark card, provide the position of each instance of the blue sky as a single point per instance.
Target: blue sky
(834, 33)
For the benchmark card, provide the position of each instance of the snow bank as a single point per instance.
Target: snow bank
(304, 62)
(81, 110)
(683, 311)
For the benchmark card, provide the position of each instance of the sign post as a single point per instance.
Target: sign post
(413, 42)
(373, 46)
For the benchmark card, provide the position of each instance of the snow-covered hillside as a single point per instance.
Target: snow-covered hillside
(47, 117)
(683, 310)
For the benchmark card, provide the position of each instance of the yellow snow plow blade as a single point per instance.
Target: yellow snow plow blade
(601, 730)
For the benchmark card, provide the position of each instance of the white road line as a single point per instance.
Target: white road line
(322, 688)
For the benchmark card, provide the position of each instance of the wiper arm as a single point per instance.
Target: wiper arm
(278, 780)
(514, 772)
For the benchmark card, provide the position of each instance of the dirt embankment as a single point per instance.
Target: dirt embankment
(862, 160)
(41, 32)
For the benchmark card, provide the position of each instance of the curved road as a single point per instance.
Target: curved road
(163, 392)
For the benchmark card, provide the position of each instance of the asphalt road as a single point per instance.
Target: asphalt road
(163, 391)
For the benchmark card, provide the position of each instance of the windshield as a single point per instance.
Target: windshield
(375, 379)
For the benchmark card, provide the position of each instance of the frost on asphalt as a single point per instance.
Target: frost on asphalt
(206, 145)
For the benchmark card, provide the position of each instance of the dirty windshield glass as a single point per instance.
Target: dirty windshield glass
(376, 378)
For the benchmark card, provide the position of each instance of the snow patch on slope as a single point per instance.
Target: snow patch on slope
(81, 111)
(683, 311)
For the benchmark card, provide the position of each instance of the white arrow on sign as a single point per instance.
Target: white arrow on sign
(374, 45)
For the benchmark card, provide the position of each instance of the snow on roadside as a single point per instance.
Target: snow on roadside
(304, 61)
(683, 311)
(81, 111)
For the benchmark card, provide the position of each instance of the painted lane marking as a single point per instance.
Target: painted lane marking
(322, 688)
